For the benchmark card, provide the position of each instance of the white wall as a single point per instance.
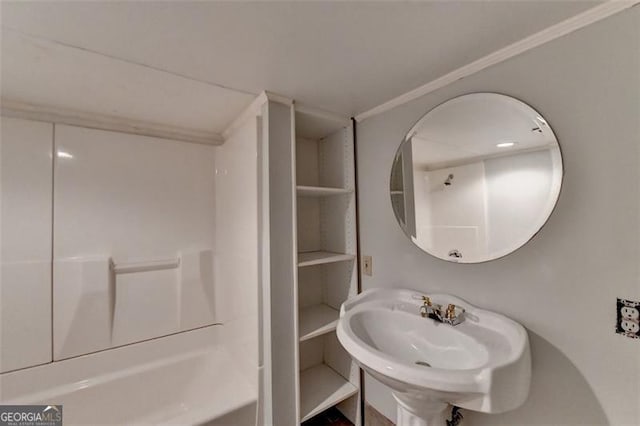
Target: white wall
(562, 285)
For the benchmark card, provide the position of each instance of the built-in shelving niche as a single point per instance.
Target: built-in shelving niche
(327, 276)
(327, 378)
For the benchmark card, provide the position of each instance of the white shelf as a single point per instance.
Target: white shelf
(326, 220)
(320, 257)
(320, 191)
(321, 388)
(317, 320)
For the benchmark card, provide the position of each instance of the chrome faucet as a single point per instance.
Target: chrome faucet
(452, 314)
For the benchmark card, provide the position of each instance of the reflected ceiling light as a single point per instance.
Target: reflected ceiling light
(63, 154)
(542, 120)
(505, 144)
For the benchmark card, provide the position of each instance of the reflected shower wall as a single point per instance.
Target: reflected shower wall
(476, 209)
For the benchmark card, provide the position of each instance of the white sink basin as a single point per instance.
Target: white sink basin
(482, 364)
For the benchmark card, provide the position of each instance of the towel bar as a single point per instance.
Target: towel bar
(152, 265)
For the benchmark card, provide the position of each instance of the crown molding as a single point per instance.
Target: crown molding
(17, 109)
(551, 33)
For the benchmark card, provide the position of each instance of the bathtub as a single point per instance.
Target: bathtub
(189, 378)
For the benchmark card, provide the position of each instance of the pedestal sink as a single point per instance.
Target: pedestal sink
(482, 364)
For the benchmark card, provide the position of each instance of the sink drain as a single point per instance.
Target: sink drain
(423, 363)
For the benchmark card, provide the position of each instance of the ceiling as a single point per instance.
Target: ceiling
(469, 128)
(196, 65)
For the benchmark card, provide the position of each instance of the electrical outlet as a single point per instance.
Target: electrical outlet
(367, 265)
(628, 318)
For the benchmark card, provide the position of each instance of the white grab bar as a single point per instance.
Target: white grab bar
(152, 265)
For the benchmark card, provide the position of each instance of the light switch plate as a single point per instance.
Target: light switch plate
(628, 318)
(367, 265)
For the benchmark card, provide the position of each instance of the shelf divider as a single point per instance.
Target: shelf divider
(320, 257)
(317, 320)
(320, 191)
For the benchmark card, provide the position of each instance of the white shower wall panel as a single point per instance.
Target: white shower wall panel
(237, 244)
(25, 235)
(134, 233)
(238, 248)
(456, 218)
(518, 186)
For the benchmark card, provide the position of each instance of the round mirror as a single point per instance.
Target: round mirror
(476, 178)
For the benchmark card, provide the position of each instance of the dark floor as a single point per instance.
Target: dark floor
(330, 417)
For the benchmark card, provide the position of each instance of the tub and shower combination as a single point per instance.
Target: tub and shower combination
(129, 275)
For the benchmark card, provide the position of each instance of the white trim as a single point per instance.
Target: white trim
(294, 236)
(551, 33)
(106, 122)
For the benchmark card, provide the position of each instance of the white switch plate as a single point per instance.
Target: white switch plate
(367, 265)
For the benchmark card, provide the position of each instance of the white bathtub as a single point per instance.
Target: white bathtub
(187, 379)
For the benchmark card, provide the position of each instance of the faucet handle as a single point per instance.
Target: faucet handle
(454, 314)
(427, 307)
(451, 311)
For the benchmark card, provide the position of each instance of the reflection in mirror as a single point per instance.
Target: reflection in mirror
(476, 178)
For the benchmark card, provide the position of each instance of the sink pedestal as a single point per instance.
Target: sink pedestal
(418, 412)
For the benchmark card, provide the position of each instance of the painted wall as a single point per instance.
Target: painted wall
(562, 285)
